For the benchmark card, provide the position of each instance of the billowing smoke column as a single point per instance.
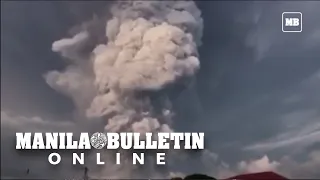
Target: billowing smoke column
(151, 46)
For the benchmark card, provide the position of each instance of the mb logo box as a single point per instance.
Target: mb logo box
(291, 22)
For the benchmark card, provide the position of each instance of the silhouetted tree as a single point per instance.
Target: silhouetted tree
(176, 178)
(198, 176)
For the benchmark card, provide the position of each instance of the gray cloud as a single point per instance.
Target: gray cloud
(287, 166)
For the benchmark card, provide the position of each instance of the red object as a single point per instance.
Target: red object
(257, 176)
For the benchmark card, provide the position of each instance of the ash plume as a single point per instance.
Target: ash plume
(150, 47)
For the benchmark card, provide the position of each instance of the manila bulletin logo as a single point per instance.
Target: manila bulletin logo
(291, 22)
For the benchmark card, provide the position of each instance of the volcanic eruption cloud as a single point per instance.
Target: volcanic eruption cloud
(146, 47)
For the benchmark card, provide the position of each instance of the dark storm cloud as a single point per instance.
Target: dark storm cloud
(265, 99)
(258, 87)
(27, 32)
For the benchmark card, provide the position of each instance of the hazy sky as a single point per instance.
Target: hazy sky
(256, 92)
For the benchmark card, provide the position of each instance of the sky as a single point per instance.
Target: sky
(255, 95)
